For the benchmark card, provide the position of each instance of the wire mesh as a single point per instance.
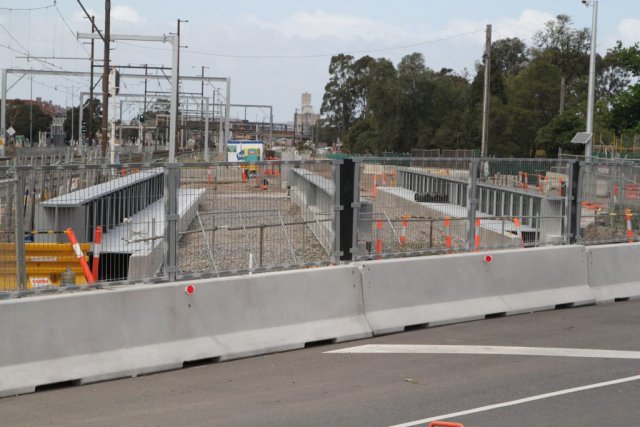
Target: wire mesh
(256, 216)
(609, 197)
(452, 205)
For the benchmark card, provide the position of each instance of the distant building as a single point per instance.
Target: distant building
(306, 118)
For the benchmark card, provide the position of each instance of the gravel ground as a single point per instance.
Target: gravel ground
(232, 221)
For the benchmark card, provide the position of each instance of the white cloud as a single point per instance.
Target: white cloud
(629, 30)
(126, 14)
(524, 26)
(318, 24)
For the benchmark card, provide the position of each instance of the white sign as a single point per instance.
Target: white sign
(11, 131)
(40, 282)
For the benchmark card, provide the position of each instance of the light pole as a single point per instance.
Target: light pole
(592, 76)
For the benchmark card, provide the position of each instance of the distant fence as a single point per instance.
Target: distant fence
(160, 223)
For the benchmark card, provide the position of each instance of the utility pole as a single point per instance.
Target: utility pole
(487, 91)
(144, 105)
(202, 116)
(105, 76)
(90, 127)
(592, 78)
(177, 71)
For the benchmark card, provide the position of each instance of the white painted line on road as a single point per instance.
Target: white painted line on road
(483, 349)
(519, 401)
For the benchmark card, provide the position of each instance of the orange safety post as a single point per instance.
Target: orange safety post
(78, 251)
(384, 178)
(444, 424)
(379, 238)
(244, 175)
(447, 233)
(476, 237)
(97, 242)
(525, 177)
(375, 185)
(627, 215)
(540, 180)
(209, 176)
(516, 222)
(403, 231)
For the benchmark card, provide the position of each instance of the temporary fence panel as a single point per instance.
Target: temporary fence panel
(609, 202)
(277, 216)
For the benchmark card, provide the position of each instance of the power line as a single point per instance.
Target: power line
(318, 55)
(25, 9)
(73, 34)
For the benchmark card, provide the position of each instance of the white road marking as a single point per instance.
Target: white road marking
(519, 401)
(483, 349)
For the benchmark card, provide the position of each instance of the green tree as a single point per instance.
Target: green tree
(25, 118)
(558, 134)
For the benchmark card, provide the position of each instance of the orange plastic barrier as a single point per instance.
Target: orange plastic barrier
(97, 242)
(379, 238)
(447, 233)
(78, 251)
(627, 215)
(403, 231)
(516, 222)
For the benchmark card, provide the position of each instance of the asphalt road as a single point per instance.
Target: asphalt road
(313, 388)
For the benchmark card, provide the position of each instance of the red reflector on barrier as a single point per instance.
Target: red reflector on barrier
(488, 258)
(189, 289)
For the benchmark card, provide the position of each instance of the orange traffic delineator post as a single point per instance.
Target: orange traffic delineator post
(476, 237)
(403, 231)
(379, 238)
(444, 424)
(525, 183)
(209, 175)
(78, 251)
(516, 222)
(447, 233)
(244, 175)
(627, 215)
(375, 185)
(97, 242)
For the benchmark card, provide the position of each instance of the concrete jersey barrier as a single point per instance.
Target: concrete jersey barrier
(103, 334)
(614, 271)
(447, 289)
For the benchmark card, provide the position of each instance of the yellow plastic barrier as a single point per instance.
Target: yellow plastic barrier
(45, 263)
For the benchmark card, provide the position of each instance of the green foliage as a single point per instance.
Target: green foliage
(19, 115)
(374, 106)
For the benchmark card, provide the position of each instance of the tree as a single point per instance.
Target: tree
(19, 114)
(559, 132)
(625, 106)
(340, 97)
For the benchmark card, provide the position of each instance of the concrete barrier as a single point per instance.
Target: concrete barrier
(451, 288)
(127, 331)
(614, 271)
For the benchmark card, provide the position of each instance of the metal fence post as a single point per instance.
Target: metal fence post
(575, 184)
(339, 210)
(171, 186)
(355, 205)
(472, 202)
(21, 272)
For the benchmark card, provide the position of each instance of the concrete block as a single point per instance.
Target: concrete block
(132, 330)
(614, 271)
(453, 288)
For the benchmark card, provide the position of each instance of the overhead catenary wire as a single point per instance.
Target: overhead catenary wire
(27, 9)
(317, 55)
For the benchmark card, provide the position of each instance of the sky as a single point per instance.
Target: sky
(275, 50)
